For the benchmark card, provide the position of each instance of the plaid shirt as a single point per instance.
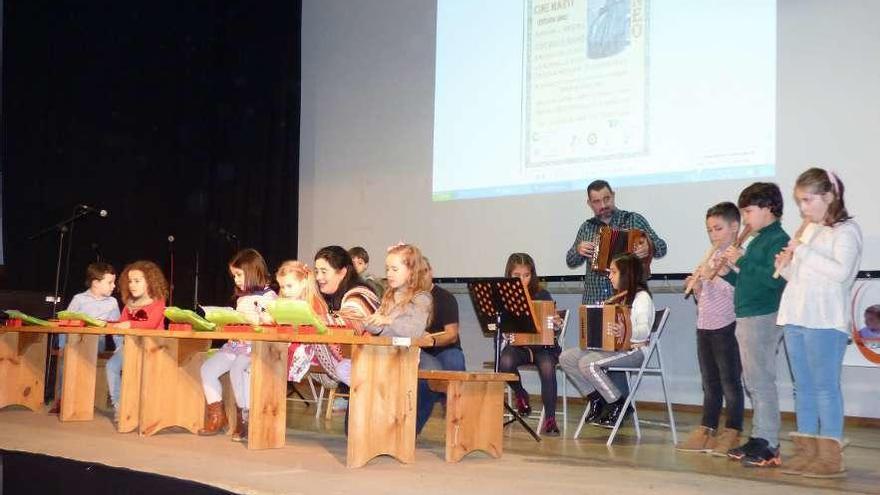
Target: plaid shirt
(597, 285)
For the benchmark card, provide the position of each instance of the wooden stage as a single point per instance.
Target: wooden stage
(313, 460)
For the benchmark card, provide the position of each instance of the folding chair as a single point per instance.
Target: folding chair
(654, 349)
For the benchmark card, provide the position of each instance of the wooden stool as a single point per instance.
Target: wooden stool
(474, 410)
(22, 366)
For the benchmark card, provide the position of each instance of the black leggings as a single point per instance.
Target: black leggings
(545, 359)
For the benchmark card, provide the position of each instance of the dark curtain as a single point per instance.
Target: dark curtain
(179, 118)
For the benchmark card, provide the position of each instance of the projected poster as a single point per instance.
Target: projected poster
(544, 96)
(586, 82)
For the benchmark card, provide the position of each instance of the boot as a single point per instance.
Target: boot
(726, 440)
(597, 405)
(56, 407)
(828, 462)
(805, 450)
(697, 441)
(241, 426)
(215, 419)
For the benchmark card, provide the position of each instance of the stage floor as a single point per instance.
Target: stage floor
(313, 460)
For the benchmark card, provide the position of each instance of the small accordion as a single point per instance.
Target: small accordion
(543, 313)
(595, 327)
(612, 242)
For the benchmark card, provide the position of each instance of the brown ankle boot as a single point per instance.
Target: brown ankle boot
(241, 425)
(215, 419)
(804, 453)
(828, 462)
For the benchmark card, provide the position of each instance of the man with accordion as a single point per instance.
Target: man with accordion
(610, 232)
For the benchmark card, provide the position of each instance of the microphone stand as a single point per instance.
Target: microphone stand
(62, 227)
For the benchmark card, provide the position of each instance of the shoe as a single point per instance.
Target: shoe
(549, 427)
(724, 441)
(738, 453)
(522, 403)
(56, 407)
(596, 404)
(763, 457)
(805, 450)
(241, 425)
(828, 462)
(215, 419)
(615, 409)
(697, 441)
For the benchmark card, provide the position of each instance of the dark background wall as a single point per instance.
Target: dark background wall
(179, 118)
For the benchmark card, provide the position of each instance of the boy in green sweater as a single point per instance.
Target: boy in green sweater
(756, 301)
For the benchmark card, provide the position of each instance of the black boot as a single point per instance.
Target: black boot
(615, 409)
(596, 404)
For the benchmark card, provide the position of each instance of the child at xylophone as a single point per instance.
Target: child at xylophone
(251, 277)
(405, 311)
(96, 301)
(143, 289)
(296, 281)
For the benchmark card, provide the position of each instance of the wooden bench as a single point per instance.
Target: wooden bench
(474, 410)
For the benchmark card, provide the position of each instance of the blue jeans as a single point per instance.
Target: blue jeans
(816, 358)
(451, 359)
(426, 397)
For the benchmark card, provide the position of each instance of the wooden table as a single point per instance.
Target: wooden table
(161, 384)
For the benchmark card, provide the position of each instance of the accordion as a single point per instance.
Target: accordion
(543, 313)
(595, 327)
(612, 242)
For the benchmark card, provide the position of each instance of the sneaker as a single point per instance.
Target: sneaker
(697, 441)
(724, 441)
(763, 457)
(752, 445)
(549, 427)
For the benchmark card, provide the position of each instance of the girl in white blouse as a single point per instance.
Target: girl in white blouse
(820, 268)
(587, 368)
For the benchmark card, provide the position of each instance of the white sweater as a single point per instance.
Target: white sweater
(820, 277)
(642, 317)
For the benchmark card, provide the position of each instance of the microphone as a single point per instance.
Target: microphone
(229, 236)
(170, 239)
(92, 209)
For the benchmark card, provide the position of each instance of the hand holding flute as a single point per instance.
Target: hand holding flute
(692, 281)
(783, 259)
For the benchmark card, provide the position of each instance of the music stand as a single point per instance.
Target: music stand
(503, 306)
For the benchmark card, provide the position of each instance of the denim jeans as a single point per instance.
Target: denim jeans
(426, 397)
(720, 368)
(759, 340)
(816, 358)
(113, 368)
(451, 359)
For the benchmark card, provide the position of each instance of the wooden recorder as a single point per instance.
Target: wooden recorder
(595, 327)
(613, 242)
(543, 313)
